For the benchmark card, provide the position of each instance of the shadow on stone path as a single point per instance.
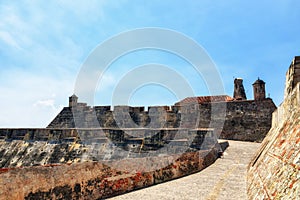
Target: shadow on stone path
(225, 179)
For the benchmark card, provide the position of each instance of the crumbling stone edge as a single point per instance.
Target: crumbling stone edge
(95, 180)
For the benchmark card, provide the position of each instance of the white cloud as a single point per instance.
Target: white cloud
(107, 81)
(45, 103)
(91, 9)
(36, 82)
(8, 39)
(32, 99)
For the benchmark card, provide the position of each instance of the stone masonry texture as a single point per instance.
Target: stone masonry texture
(223, 180)
(232, 118)
(274, 172)
(32, 147)
(94, 180)
(246, 120)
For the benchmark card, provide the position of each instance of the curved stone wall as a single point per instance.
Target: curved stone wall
(94, 180)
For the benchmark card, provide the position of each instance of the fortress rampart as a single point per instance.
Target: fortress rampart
(245, 120)
(31, 147)
(54, 163)
(275, 170)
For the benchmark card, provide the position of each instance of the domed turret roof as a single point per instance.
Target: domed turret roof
(73, 96)
(258, 81)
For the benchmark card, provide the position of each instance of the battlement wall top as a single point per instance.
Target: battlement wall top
(127, 109)
(102, 108)
(296, 60)
(290, 102)
(158, 108)
(136, 109)
(292, 76)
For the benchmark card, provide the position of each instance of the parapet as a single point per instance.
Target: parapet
(137, 109)
(69, 176)
(284, 110)
(102, 109)
(158, 109)
(292, 76)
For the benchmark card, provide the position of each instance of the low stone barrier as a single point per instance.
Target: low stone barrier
(94, 180)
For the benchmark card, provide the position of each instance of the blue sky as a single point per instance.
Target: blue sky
(44, 44)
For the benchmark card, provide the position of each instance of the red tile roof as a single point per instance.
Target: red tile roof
(205, 99)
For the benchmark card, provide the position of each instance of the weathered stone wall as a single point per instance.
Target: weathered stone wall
(70, 178)
(274, 172)
(93, 180)
(239, 91)
(98, 163)
(248, 120)
(31, 147)
(120, 117)
(292, 76)
(243, 120)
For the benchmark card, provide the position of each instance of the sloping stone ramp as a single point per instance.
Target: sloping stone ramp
(224, 180)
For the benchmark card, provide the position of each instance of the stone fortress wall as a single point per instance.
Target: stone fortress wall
(84, 163)
(55, 164)
(274, 172)
(137, 130)
(32, 147)
(246, 120)
(98, 180)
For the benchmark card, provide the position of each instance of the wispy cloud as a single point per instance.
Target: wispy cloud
(41, 55)
(9, 40)
(106, 82)
(31, 100)
(46, 103)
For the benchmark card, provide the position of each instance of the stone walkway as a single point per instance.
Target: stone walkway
(225, 179)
